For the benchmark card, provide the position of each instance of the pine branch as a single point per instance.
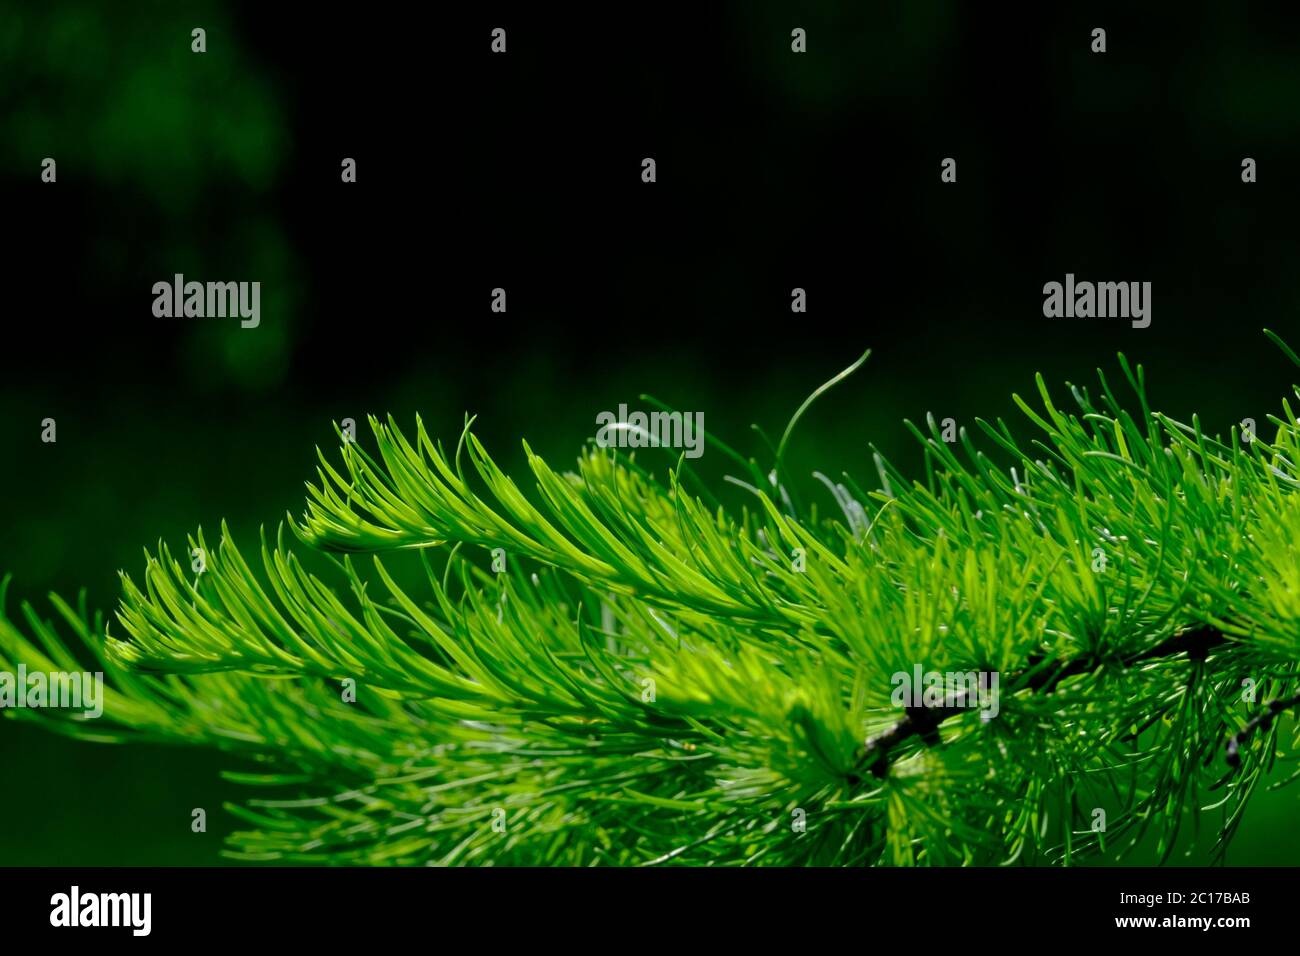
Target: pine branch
(657, 679)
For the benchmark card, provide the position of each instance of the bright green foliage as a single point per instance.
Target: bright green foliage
(653, 679)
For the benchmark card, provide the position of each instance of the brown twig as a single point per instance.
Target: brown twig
(1263, 721)
(1040, 676)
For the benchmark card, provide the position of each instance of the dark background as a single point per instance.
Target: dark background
(775, 170)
